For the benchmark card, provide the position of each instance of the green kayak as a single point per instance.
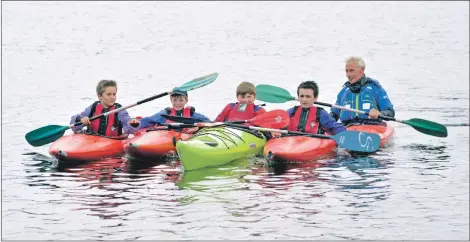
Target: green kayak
(216, 146)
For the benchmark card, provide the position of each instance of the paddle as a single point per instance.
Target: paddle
(272, 119)
(274, 94)
(50, 133)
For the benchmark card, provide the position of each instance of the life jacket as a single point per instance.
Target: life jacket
(106, 125)
(311, 125)
(240, 112)
(365, 100)
(186, 112)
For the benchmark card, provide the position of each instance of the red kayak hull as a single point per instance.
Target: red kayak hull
(298, 148)
(154, 144)
(85, 147)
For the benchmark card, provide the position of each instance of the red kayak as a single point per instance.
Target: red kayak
(154, 144)
(87, 147)
(298, 149)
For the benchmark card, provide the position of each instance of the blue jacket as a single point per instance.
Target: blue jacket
(371, 95)
(157, 118)
(327, 123)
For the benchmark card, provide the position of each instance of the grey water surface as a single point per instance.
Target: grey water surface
(54, 53)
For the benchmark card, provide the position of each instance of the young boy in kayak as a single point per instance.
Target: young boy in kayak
(113, 125)
(178, 99)
(243, 109)
(308, 118)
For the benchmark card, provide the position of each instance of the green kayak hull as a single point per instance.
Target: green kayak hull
(216, 146)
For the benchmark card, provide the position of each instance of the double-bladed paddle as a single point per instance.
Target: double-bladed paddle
(274, 94)
(51, 133)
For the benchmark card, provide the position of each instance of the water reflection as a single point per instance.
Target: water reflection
(364, 178)
(108, 189)
(215, 177)
(428, 153)
(122, 188)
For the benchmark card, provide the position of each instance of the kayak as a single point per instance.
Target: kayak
(298, 149)
(86, 147)
(216, 146)
(385, 132)
(154, 144)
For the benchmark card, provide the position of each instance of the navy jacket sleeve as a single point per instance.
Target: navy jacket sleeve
(329, 124)
(154, 119)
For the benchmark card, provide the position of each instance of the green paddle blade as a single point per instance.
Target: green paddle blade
(272, 94)
(45, 135)
(199, 82)
(427, 127)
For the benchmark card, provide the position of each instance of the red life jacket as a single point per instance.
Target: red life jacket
(106, 126)
(187, 112)
(312, 125)
(236, 112)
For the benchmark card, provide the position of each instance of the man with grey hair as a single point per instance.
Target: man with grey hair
(363, 93)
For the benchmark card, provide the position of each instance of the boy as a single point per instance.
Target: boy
(178, 99)
(309, 118)
(244, 109)
(113, 125)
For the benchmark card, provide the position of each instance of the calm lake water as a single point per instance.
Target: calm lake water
(54, 53)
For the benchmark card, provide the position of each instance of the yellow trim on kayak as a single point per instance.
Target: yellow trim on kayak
(357, 104)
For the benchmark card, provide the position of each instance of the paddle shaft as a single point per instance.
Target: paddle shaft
(123, 108)
(357, 111)
(279, 131)
(182, 120)
(201, 124)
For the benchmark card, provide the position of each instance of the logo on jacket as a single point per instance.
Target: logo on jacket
(312, 124)
(242, 107)
(278, 119)
(113, 128)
